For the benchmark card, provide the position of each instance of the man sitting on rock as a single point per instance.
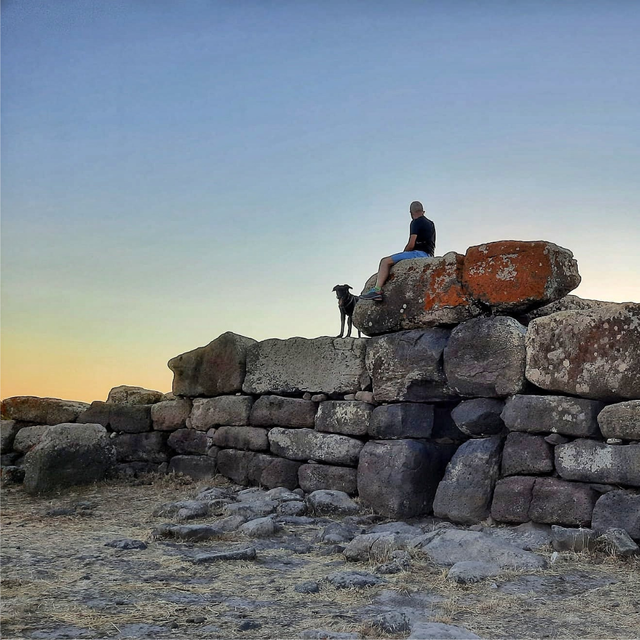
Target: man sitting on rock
(422, 244)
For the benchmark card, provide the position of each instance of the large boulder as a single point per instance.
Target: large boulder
(298, 365)
(127, 418)
(68, 454)
(407, 366)
(349, 417)
(526, 454)
(591, 353)
(189, 441)
(420, 293)
(568, 303)
(150, 446)
(621, 420)
(235, 465)
(42, 410)
(593, 461)
(618, 509)
(307, 444)
(399, 478)
(276, 411)
(512, 276)
(224, 410)
(486, 357)
(512, 499)
(313, 477)
(28, 437)
(125, 394)
(245, 438)
(402, 420)
(465, 493)
(554, 501)
(214, 370)
(479, 417)
(196, 467)
(169, 415)
(552, 414)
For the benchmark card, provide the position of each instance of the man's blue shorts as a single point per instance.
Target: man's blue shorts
(408, 255)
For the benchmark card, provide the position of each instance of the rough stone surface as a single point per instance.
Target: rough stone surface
(402, 420)
(214, 370)
(280, 473)
(353, 579)
(67, 455)
(512, 276)
(512, 499)
(526, 454)
(399, 478)
(8, 431)
(224, 556)
(479, 417)
(348, 418)
(196, 467)
(555, 501)
(486, 357)
(320, 365)
(618, 509)
(438, 631)
(259, 528)
(187, 441)
(276, 411)
(425, 292)
(445, 429)
(563, 539)
(376, 546)
(593, 353)
(125, 394)
(124, 418)
(224, 410)
(141, 447)
(568, 303)
(328, 502)
(407, 366)
(618, 542)
(42, 410)
(245, 438)
(307, 444)
(621, 420)
(469, 571)
(169, 415)
(235, 464)
(593, 461)
(552, 414)
(465, 493)
(313, 477)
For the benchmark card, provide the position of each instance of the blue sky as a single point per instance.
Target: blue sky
(173, 170)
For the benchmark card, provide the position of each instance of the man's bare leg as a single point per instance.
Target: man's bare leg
(383, 271)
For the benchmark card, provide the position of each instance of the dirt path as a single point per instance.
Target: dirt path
(59, 580)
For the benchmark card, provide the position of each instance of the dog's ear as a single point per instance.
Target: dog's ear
(348, 286)
(335, 288)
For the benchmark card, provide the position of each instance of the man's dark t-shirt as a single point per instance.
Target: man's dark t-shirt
(426, 232)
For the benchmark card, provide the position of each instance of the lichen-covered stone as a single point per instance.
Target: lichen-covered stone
(125, 418)
(621, 420)
(125, 394)
(402, 420)
(245, 438)
(591, 353)
(420, 293)
(350, 418)
(512, 276)
(526, 454)
(552, 414)
(486, 357)
(568, 303)
(42, 410)
(214, 370)
(318, 365)
(28, 437)
(313, 477)
(307, 444)
(223, 410)
(407, 366)
(276, 411)
(169, 415)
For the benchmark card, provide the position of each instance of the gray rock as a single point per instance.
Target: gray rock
(212, 494)
(593, 461)
(402, 420)
(526, 454)
(419, 293)
(251, 510)
(276, 411)
(552, 414)
(306, 444)
(280, 473)
(468, 572)
(126, 544)
(187, 441)
(230, 523)
(338, 532)
(365, 396)
(235, 464)
(399, 478)
(310, 586)
(568, 303)
(621, 420)
(445, 430)
(486, 357)
(555, 501)
(353, 579)
(618, 542)
(68, 455)
(317, 397)
(42, 410)
(321, 365)
(479, 417)
(377, 546)
(446, 547)
(313, 477)
(407, 366)
(196, 467)
(125, 394)
(439, 631)
(282, 494)
(465, 493)
(142, 447)
(348, 418)
(169, 415)
(190, 532)
(8, 431)
(512, 499)
(292, 508)
(396, 527)
(392, 622)
(126, 418)
(620, 510)
(223, 556)
(555, 439)
(259, 528)
(577, 540)
(220, 411)
(589, 353)
(184, 509)
(530, 536)
(327, 502)
(251, 438)
(323, 634)
(11, 474)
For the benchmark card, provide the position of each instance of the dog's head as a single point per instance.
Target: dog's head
(342, 291)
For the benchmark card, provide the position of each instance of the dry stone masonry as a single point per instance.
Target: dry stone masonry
(484, 391)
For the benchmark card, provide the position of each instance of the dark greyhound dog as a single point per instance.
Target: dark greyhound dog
(346, 304)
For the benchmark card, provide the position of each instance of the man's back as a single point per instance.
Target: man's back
(425, 231)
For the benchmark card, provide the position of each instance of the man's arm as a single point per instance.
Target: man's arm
(412, 243)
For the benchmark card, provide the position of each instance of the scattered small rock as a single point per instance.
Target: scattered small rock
(330, 502)
(307, 587)
(470, 572)
(618, 542)
(239, 554)
(353, 579)
(292, 508)
(196, 620)
(392, 622)
(247, 625)
(126, 543)
(259, 528)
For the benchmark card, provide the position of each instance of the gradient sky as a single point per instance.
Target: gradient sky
(175, 169)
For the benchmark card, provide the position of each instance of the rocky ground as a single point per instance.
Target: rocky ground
(122, 560)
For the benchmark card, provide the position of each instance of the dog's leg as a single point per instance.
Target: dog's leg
(342, 315)
(349, 325)
(359, 334)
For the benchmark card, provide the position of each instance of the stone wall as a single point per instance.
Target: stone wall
(484, 391)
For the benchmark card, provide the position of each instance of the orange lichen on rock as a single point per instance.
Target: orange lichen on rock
(442, 285)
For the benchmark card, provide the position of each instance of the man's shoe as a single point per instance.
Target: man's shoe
(372, 295)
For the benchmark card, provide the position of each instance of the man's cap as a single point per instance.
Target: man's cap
(416, 207)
